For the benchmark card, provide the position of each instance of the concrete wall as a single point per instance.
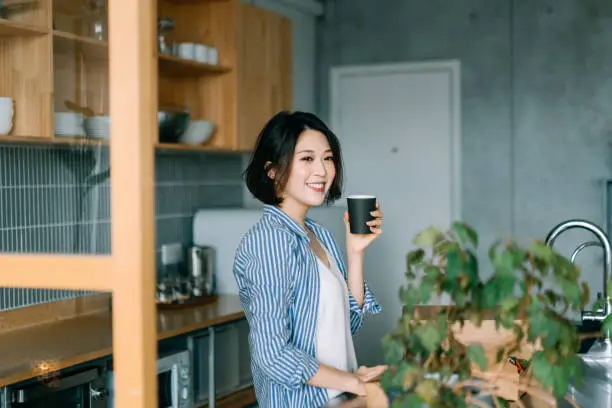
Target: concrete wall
(536, 99)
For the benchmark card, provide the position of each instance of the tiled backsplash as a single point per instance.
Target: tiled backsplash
(50, 202)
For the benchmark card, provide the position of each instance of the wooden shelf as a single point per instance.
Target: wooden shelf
(201, 148)
(171, 65)
(74, 141)
(71, 43)
(98, 50)
(9, 28)
(55, 140)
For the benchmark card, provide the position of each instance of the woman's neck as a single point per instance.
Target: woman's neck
(295, 211)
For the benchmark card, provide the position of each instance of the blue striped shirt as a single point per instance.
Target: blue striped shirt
(276, 274)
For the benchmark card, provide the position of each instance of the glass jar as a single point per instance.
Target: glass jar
(165, 35)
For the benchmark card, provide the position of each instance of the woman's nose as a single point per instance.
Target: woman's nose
(321, 168)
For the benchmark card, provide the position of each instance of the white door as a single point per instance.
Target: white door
(399, 131)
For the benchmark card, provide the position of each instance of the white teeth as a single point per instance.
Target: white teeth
(316, 185)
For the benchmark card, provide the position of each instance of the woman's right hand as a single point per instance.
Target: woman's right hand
(365, 375)
(370, 374)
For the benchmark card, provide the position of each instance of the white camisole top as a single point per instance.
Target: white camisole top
(334, 339)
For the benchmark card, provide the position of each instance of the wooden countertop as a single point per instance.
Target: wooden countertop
(64, 340)
(31, 351)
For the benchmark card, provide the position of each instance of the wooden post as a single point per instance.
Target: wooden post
(133, 112)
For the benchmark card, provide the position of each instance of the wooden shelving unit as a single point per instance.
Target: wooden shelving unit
(171, 65)
(90, 48)
(10, 28)
(49, 58)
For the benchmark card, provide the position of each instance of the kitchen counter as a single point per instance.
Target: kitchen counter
(36, 350)
(33, 351)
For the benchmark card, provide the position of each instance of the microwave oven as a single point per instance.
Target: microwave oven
(174, 381)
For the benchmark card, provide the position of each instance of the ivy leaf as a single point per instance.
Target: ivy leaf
(406, 375)
(427, 390)
(500, 355)
(428, 237)
(570, 290)
(509, 305)
(465, 233)
(503, 403)
(454, 264)
(471, 268)
(443, 246)
(560, 382)
(432, 272)
(607, 324)
(476, 355)
(426, 290)
(550, 335)
(542, 252)
(394, 350)
(585, 295)
(415, 256)
(410, 295)
(408, 401)
(504, 264)
(542, 370)
(493, 249)
(429, 336)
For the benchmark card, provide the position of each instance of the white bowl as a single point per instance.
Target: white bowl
(98, 127)
(198, 132)
(68, 124)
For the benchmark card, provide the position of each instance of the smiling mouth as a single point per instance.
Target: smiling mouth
(318, 187)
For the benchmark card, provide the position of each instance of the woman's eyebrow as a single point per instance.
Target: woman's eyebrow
(312, 151)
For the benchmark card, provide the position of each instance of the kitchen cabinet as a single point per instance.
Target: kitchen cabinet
(57, 60)
(231, 361)
(264, 70)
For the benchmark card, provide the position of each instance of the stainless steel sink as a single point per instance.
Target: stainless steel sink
(595, 390)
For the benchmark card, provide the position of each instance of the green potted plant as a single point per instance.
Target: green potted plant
(430, 361)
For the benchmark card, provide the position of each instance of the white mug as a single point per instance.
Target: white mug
(7, 112)
(186, 50)
(213, 56)
(201, 53)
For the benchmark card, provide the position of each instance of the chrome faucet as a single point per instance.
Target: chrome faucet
(582, 246)
(607, 270)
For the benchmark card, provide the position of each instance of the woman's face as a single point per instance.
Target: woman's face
(312, 171)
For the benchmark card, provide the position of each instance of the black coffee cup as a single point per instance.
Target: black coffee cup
(359, 211)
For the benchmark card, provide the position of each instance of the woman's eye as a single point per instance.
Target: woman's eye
(329, 158)
(307, 158)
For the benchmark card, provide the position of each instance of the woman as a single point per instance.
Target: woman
(301, 303)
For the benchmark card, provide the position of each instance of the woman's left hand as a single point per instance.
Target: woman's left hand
(357, 243)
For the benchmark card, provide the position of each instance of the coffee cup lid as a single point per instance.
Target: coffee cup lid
(358, 196)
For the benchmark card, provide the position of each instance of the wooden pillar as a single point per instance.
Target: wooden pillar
(133, 112)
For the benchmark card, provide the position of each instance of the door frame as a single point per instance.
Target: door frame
(450, 67)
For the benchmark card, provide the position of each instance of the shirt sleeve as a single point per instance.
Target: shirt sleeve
(264, 263)
(370, 305)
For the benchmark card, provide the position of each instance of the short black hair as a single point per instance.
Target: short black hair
(276, 144)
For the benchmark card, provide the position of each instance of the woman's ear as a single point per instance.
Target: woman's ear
(271, 172)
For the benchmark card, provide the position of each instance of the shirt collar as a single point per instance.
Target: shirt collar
(286, 220)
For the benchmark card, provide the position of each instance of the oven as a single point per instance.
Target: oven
(174, 381)
(78, 388)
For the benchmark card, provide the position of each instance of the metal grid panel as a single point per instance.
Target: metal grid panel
(57, 200)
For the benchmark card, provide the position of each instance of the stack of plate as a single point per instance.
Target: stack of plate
(98, 127)
(68, 124)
